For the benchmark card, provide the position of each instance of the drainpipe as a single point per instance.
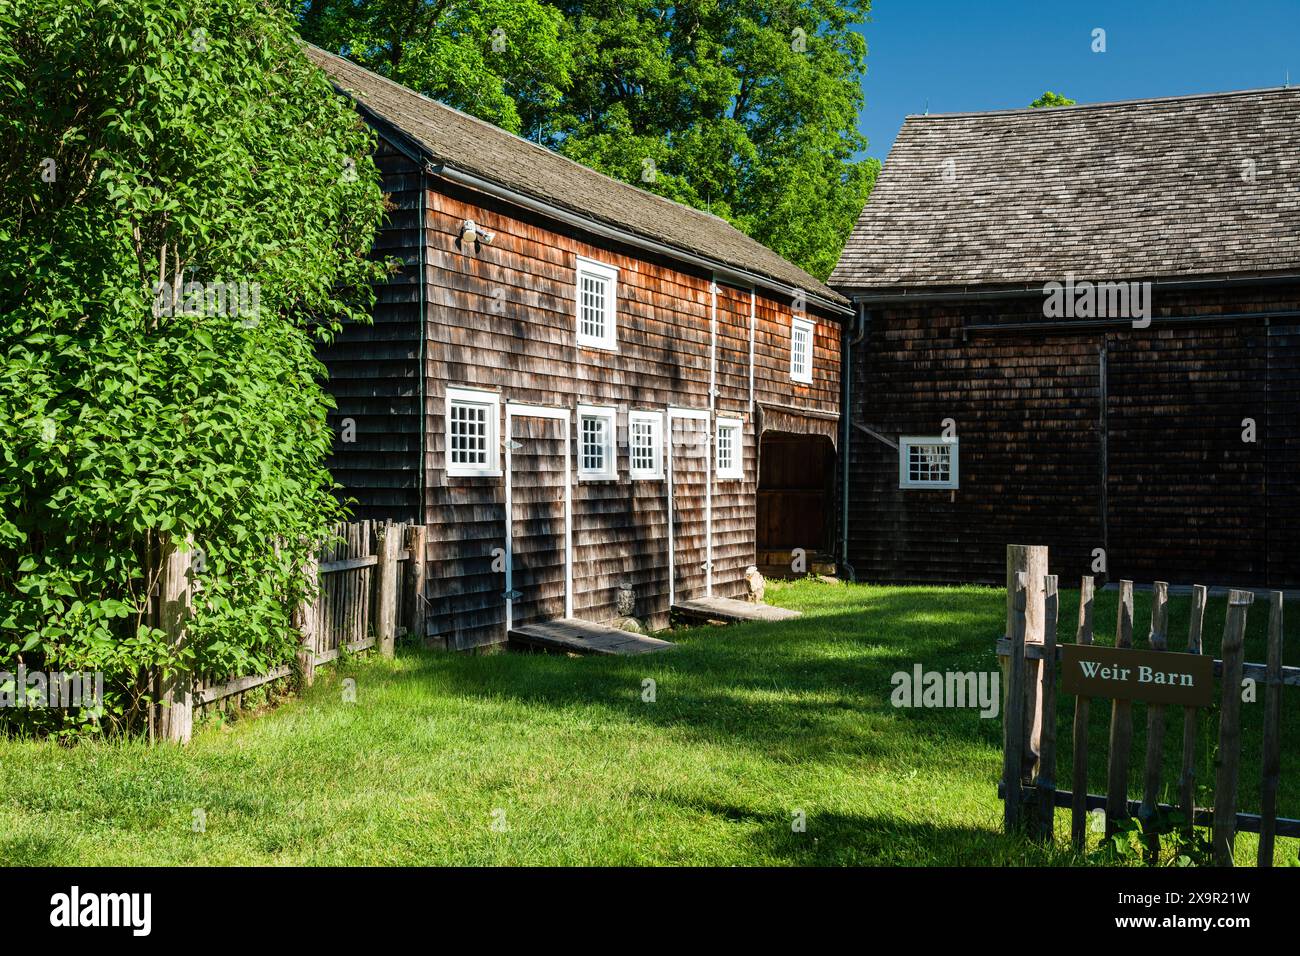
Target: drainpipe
(712, 452)
(846, 416)
(423, 332)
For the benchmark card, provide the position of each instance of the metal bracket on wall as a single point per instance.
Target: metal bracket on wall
(876, 435)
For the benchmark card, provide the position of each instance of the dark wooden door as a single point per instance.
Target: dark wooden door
(795, 484)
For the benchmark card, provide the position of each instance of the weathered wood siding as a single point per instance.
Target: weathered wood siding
(502, 317)
(373, 368)
(1155, 473)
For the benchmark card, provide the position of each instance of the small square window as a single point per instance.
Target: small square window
(730, 447)
(645, 444)
(473, 433)
(597, 299)
(596, 450)
(927, 462)
(801, 350)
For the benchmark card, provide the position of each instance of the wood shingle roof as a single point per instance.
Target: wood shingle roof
(1194, 186)
(470, 145)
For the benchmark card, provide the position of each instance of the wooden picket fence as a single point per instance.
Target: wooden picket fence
(367, 578)
(1030, 654)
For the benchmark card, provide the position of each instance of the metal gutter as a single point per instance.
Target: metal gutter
(1068, 326)
(942, 294)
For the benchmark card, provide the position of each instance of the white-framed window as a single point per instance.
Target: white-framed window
(801, 350)
(729, 442)
(596, 448)
(925, 462)
(597, 296)
(473, 433)
(645, 444)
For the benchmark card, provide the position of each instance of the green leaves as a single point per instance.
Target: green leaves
(746, 108)
(120, 427)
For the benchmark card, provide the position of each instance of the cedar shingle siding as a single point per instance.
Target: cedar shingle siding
(502, 317)
(1097, 434)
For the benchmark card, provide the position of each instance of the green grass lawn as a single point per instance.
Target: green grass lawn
(538, 759)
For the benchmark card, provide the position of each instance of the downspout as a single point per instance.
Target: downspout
(846, 416)
(422, 371)
(712, 426)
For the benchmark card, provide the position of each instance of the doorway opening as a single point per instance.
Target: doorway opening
(795, 514)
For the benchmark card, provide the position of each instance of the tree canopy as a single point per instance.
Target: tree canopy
(1049, 99)
(746, 109)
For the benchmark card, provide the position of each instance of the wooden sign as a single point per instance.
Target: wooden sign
(1125, 673)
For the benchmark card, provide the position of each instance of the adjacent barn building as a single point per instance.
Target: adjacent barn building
(1081, 329)
(573, 382)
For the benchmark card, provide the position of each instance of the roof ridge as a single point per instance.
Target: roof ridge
(1105, 104)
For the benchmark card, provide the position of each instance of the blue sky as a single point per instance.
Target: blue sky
(956, 55)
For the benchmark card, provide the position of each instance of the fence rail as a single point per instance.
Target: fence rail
(367, 586)
(1030, 654)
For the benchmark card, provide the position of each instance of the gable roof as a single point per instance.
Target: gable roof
(467, 144)
(1138, 189)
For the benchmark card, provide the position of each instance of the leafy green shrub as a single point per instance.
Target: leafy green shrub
(187, 142)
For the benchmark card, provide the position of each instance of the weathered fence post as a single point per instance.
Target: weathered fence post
(1031, 560)
(175, 690)
(1272, 762)
(1148, 811)
(385, 609)
(1013, 714)
(1229, 755)
(1187, 781)
(1121, 724)
(417, 538)
(1079, 785)
(1046, 781)
(306, 615)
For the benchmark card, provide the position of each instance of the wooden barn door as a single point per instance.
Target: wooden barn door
(539, 507)
(688, 489)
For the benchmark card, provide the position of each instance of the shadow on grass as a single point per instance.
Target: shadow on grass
(814, 689)
(829, 838)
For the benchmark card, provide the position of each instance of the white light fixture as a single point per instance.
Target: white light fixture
(470, 233)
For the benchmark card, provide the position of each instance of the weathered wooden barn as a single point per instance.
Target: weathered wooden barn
(572, 382)
(1014, 380)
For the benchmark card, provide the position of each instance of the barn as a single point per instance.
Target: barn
(1081, 329)
(589, 394)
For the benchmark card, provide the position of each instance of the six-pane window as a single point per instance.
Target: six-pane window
(729, 449)
(927, 462)
(597, 295)
(801, 350)
(472, 423)
(596, 443)
(645, 444)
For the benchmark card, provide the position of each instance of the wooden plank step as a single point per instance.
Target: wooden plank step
(728, 611)
(585, 637)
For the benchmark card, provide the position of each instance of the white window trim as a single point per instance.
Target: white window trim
(657, 420)
(610, 414)
(474, 396)
(809, 328)
(608, 273)
(737, 471)
(904, 446)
